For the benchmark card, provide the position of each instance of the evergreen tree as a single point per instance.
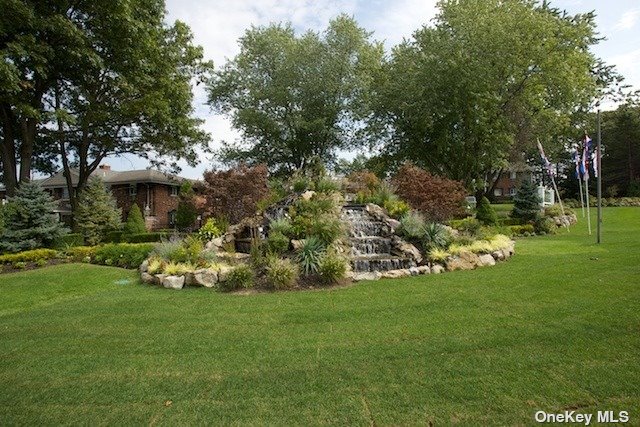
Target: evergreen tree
(29, 222)
(485, 213)
(526, 202)
(97, 213)
(186, 213)
(135, 222)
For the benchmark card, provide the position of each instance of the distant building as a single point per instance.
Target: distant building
(510, 180)
(155, 193)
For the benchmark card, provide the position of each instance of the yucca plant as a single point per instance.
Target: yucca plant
(435, 236)
(310, 254)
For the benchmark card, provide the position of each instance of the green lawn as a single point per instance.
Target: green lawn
(557, 327)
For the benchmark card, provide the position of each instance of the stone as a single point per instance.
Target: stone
(373, 275)
(232, 257)
(396, 274)
(206, 277)
(188, 278)
(297, 244)
(173, 282)
(223, 273)
(394, 224)
(486, 260)
(158, 278)
(377, 212)
(144, 267)
(497, 255)
(307, 195)
(414, 271)
(437, 269)
(405, 249)
(148, 278)
(464, 261)
(423, 269)
(217, 242)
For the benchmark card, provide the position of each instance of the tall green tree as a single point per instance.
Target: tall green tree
(135, 222)
(90, 79)
(295, 97)
(29, 221)
(621, 159)
(186, 213)
(466, 95)
(97, 212)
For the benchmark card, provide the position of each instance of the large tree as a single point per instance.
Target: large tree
(113, 79)
(296, 97)
(621, 159)
(476, 89)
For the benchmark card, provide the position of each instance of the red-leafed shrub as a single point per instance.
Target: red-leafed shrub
(234, 194)
(438, 198)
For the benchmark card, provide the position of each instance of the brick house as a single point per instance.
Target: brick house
(510, 180)
(155, 193)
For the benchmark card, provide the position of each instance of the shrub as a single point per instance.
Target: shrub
(412, 225)
(81, 253)
(435, 236)
(438, 255)
(186, 213)
(438, 198)
(471, 226)
(135, 222)
(234, 193)
(300, 184)
(28, 223)
(241, 277)
(326, 228)
(125, 255)
(481, 247)
(28, 256)
(209, 230)
(71, 239)
(544, 225)
(281, 273)
(188, 250)
(280, 225)
(20, 265)
(522, 229)
(177, 268)
(332, 268)
(556, 210)
(277, 242)
(485, 213)
(147, 237)
(42, 262)
(114, 236)
(396, 208)
(97, 212)
(362, 182)
(326, 185)
(512, 221)
(500, 241)
(526, 202)
(309, 255)
(156, 265)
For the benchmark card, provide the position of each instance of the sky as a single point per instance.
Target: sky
(217, 26)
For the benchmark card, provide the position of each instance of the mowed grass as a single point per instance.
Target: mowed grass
(557, 327)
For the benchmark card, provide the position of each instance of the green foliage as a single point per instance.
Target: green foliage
(32, 255)
(326, 185)
(147, 237)
(310, 254)
(412, 225)
(301, 184)
(281, 273)
(20, 265)
(177, 268)
(438, 255)
(188, 250)
(556, 210)
(544, 225)
(295, 97)
(470, 226)
(277, 243)
(435, 236)
(241, 277)
(114, 236)
(326, 228)
(81, 253)
(526, 202)
(209, 230)
(280, 225)
(332, 268)
(485, 213)
(29, 220)
(135, 222)
(97, 212)
(186, 212)
(71, 239)
(520, 230)
(396, 208)
(125, 255)
(318, 217)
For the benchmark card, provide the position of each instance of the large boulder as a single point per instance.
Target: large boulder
(223, 273)
(486, 260)
(423, 269)
(464, 261)
(173, 282)
(205, 277)
(373, 275)
(437, 269)
(402, 248)
(396, 274)
(148, 278)
(144, 267)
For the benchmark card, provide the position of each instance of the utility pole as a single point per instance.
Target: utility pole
(599, 165)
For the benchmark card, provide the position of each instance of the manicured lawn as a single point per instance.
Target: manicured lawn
(557, 327)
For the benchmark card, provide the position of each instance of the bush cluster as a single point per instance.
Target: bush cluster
(125, 255)
(32, 255)
(281, 273)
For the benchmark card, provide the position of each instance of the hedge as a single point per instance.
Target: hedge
(29, 256)
(125, 255)
(114, 236)
(147, 237)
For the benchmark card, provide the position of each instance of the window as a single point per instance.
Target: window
(513, 176)
(173, 191)
(172, 217)
(512, 191)
(497, 192)
(133, 190)
(65, 193)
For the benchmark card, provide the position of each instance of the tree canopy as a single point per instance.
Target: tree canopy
(295, 97)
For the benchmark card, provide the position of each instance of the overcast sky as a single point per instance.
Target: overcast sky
(217, 25)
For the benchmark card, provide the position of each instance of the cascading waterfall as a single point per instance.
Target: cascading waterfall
(371, 242)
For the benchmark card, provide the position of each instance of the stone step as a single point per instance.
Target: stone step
(371, 245)
(362, 264)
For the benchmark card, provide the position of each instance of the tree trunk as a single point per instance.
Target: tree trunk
(8, 152)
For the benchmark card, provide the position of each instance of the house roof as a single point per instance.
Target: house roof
(116, 177)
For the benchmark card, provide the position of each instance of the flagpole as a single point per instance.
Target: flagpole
(598, 165)
(586, 191)
(581, 195)
(555, 187)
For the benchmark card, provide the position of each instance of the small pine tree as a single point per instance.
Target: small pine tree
(97, 212)
(485, 213)
(526, 202)
(135, 222)
(186, 212)
(29, 221)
